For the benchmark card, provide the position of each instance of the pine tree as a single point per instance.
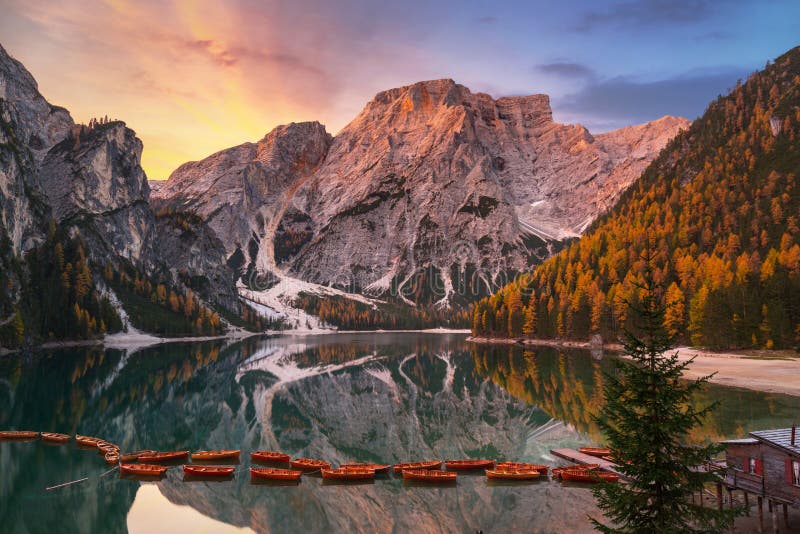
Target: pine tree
(647, 416)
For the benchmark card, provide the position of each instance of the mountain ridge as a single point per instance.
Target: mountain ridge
(420, 168)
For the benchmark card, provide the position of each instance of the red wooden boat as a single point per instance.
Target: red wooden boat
(87, 441)
(55, 437)
(112, 458)
(309, 464)
(595, 451)
(143, 470)
(428, 475)
(133, 456)
(18, 434)
(378, 468)
(465, 465)
(349, 474)
(164, 456)
(270, 473)
(208, 470)
(542, 469)
(556, 471)
(206, 456)
(431, 464)
(584, 475)
(106, 447)
(270, 456)
(512, 474)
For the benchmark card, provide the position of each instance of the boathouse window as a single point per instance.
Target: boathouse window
(756, 467)
(793, 471)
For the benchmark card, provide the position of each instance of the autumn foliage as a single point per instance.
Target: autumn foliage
(721, 210)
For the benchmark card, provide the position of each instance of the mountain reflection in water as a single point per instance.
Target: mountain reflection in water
(369, 397)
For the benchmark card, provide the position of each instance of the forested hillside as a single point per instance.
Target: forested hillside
(720, 210)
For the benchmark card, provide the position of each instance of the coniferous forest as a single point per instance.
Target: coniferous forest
(720, 209)
(60, 297)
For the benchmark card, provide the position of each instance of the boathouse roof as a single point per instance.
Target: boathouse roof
(740, 441)
(780, 437)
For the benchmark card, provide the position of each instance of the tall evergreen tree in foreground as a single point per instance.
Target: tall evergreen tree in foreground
(647, 416)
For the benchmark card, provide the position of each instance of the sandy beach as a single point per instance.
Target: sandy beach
(779, 375)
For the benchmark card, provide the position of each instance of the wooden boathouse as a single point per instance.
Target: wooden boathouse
(766, 464)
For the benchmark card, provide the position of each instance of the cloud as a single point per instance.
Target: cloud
(567, 70)
(643, 13)
(616, 102)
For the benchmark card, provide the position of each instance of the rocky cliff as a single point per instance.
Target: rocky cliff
(89, 182)
(93, 180)
(429, 180)
(242, 191)
(29, 127)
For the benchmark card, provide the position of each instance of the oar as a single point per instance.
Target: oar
(84, 479)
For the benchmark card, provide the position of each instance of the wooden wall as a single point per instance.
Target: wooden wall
(773, 464)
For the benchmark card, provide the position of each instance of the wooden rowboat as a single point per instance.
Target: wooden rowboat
(270, 456)
(432, 464)
(348, 474)
(19, 434)
(106, 447)
(428, 475)
(270, 473)
(309, 464)
(542, 469)
(112, 458)
(133, 456)
(143, 470)
(54, 437)
(512, 474)
(87, 441)
(595, 451)
(378, 468)
(583, 475)
(206, 456)
(208, 470)
(164, 456)
(466, 465)
(556, 471)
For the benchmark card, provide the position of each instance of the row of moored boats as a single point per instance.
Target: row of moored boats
(150, 463)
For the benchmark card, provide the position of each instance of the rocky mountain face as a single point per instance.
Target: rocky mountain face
(429, 179)
(29, 127)
(89, 181)
(93, 180)
(242, 192)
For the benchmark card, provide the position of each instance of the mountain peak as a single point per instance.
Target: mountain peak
(423, 166)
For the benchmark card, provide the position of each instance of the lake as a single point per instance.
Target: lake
(361, 397)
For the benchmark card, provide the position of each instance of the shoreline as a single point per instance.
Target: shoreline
(771, 372)
(139, 340)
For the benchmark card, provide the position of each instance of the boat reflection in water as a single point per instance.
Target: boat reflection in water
(376, 398)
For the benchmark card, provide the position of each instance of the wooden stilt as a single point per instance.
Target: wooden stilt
(701, 498)
(760, 514)
(770, 505)
(785, 515)
(774, 518)
(746, 503)
(730, 498)
(719, 496)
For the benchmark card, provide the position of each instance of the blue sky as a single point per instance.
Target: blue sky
(195, 77)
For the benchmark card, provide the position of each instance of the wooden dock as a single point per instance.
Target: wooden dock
(580, 458)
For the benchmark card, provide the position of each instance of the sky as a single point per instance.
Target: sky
(192, 78)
